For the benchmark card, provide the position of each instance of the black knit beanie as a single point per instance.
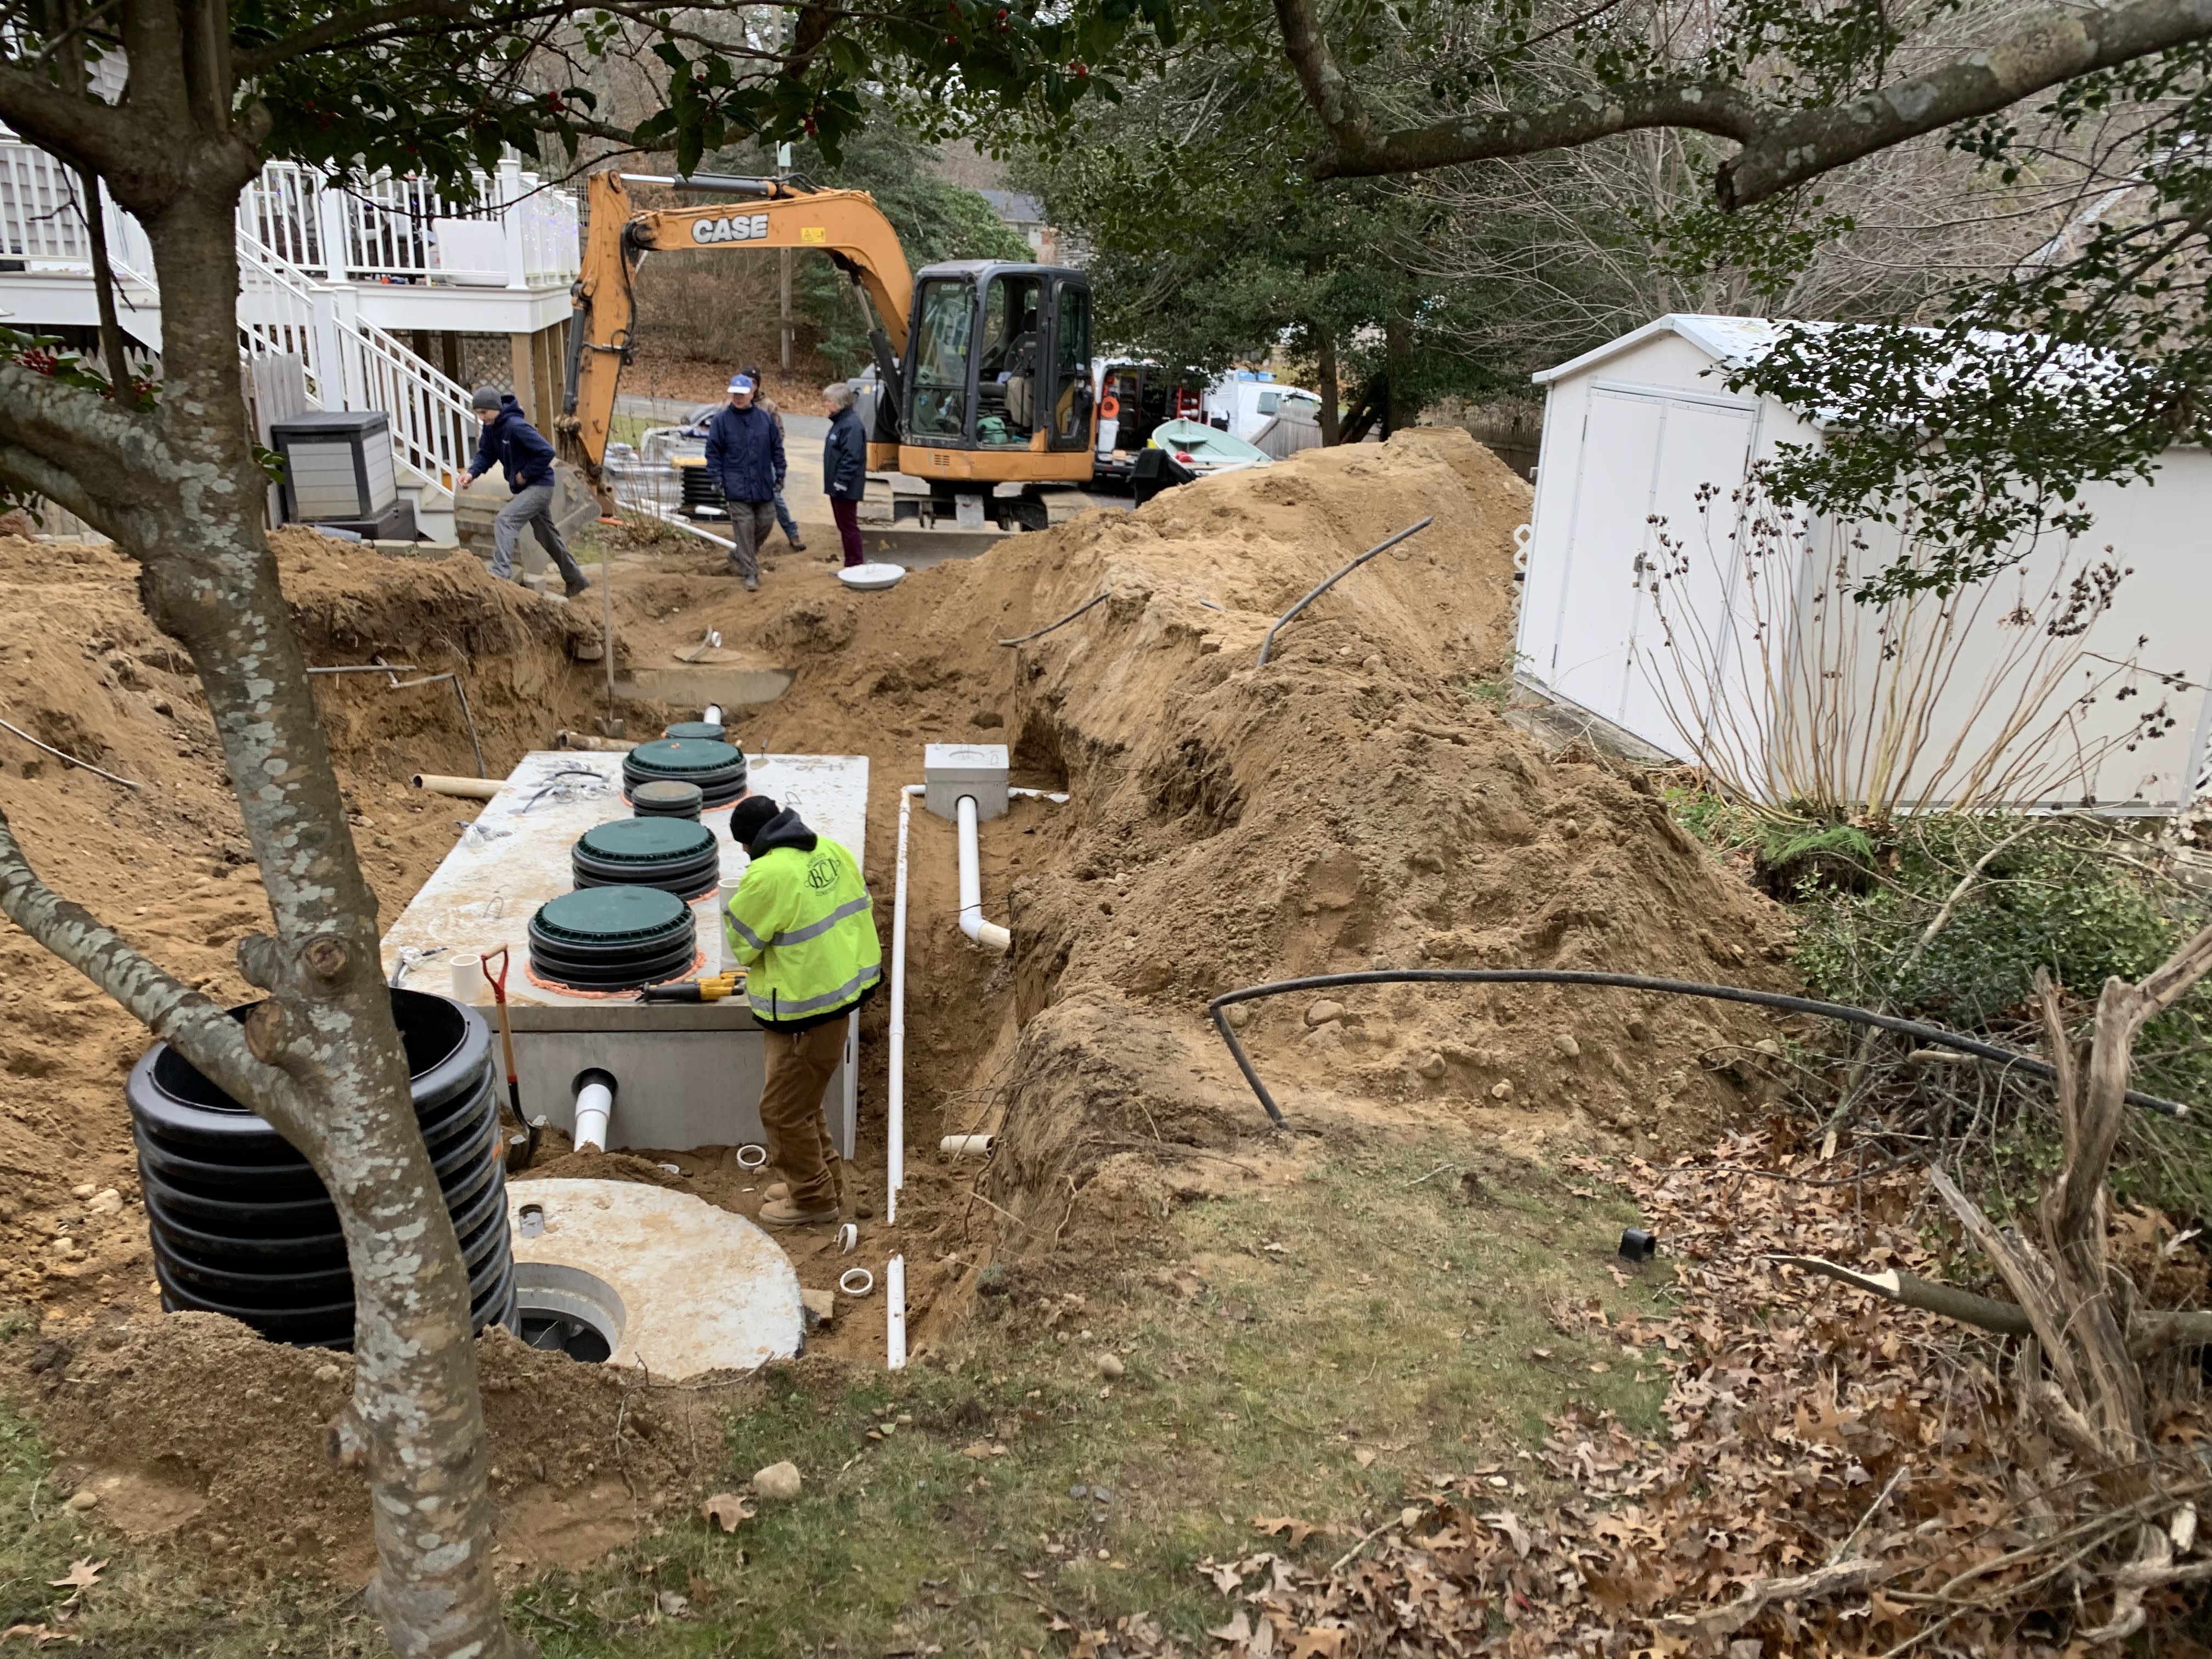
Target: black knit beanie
(750, 816)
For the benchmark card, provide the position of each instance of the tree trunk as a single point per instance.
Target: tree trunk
(1397, 370)
(320, 1060)
(1332, 426)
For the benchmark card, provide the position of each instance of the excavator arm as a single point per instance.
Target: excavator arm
(846, 224)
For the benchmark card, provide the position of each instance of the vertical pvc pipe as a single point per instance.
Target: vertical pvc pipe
(894, 1312)
(595, 1105)
(988, 934)
(895, 1101)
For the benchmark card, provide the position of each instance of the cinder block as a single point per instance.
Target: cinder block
(950, 770)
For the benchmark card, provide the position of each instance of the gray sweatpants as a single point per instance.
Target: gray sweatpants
(533, 507)
(751, 523)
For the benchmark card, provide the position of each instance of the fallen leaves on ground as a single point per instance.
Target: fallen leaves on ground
(1837, 1476)
(726, 1511)
(84, 1574)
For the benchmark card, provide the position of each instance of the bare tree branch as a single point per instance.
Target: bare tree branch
(77, 432)
(199, 1031)
(1716, 1624)
(1908, 1291)
(81, 131)
(1781, 148)
(34, 475)
(349, 29)
(2040, 51)
(2160, 1332)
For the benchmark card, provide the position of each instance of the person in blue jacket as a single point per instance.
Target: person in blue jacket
(782, 510)
(521, 452)
(845, 467)
(744, 451)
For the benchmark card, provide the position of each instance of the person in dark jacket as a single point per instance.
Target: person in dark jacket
(521, 452)
(744, 451)
(761, 400)
(845, 466)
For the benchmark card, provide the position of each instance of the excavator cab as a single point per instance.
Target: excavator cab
(996, 384)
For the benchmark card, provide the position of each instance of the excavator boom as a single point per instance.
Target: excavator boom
(846, 224)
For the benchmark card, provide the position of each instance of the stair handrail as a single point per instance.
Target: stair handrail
(431, 414)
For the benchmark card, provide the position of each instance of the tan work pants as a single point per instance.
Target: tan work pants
(799, 1068)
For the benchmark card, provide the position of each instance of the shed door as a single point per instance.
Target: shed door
(1643, 459)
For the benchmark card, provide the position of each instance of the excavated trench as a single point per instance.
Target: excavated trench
(1355, 802)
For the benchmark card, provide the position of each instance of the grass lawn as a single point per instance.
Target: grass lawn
(1316, 1348)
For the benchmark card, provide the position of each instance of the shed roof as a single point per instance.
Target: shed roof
(1724, 339)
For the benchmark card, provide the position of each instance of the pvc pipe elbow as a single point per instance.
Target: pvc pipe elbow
(988, 934)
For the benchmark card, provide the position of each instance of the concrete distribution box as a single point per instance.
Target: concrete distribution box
(338, 465)
(950, 770)
(686, 1074)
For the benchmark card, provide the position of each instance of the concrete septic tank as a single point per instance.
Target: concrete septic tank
(664, 1279)
(686, 1074)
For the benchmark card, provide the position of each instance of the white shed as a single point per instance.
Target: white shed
(1662, 596)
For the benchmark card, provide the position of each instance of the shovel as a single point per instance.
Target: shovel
(507, 1047)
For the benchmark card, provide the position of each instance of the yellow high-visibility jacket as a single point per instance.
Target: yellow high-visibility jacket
(802, 924)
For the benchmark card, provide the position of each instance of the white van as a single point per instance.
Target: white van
(1244, 400)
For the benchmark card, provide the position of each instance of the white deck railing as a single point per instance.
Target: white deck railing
(517, 233)
(304, 249)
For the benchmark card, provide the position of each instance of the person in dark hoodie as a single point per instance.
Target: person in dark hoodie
(744, 451)
(801, 925)
(845, 467)
(520, 449)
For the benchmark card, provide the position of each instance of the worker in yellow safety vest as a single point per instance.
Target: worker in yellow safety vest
(802, 925)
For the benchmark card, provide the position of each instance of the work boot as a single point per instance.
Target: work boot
(797, 545)
(776, 1193)
(752, 584)
(782, 1213)
(577, 589)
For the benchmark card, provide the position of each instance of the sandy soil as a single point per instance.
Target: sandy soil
(1359, 801)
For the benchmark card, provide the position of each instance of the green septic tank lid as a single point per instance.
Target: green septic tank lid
(708, 731)
(646, 841)
(678, 758)
(610, 915)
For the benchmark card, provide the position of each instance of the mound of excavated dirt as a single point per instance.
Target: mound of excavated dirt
(191, 1425)
(82, 668)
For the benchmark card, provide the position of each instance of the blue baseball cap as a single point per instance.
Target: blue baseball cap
(740, 383)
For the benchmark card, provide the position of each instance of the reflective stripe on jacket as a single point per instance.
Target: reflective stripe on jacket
(802, 924)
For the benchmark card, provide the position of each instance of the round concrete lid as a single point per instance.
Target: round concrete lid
(697, 1289)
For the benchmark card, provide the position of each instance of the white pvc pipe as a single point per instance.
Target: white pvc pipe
(595, 1104)
(894, 1312)
(712, 715)
(988, 934)
(895, 1101)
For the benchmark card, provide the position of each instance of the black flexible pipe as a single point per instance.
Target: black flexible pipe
(1025, 638)
(1268, 644)
(1680, 988)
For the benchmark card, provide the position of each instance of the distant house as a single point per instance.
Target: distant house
(1024, 214)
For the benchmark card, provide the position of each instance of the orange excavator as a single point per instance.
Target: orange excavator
(982, 367)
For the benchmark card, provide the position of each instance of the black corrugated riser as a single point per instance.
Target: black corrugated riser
(242, 1225)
